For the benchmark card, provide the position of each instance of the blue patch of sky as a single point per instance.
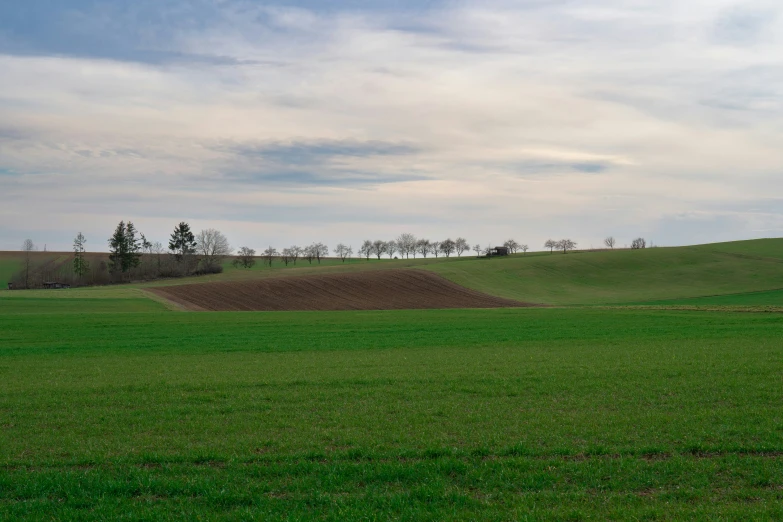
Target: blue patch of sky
(138, 30)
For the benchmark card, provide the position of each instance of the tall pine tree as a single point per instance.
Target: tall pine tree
(80, 265)
(124, 248)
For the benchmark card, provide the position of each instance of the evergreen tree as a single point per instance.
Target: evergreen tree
(182, 242)
(80, 265)
(117, 248)
(124, 248)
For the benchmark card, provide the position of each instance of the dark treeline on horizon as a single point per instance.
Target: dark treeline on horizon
(131, 257)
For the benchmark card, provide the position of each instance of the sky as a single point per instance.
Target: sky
(285, 123)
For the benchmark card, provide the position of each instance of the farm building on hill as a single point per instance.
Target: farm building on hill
(498, 251)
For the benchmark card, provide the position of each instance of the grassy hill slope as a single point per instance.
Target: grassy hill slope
(656, 276)
(624, 276)
(10, 264)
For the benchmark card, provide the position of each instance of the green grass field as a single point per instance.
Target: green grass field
(8, 267)
(115, 406)
(625, 276)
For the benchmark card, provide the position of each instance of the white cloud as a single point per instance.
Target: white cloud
(522, 118)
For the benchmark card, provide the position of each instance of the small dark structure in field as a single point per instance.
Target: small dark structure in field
(51, 285)
(498, 251)
(10, 286)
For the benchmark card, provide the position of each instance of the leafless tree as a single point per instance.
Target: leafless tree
(423, 247)
(610, 242)
(447, 247)
(477, 249)
(245, 257)
(343, 252)
(309, 253)
(551, 245)
(269, 255)
(366, 249)
(638, 243)
(406, 245)
(379, 248)
(286, 256)
(212, 246)
(28, 247)
(565, 245)
(295, 252)
(391, 248)
(524, 248)
(461, 245)
(512, 246)
(321, 251)
(435, 248)
(487, 251)
(158, 249)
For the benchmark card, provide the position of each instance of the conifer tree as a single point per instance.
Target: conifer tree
(124, 248)
(183, 242)
(80, 265)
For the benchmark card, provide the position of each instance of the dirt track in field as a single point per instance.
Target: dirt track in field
(374, 290)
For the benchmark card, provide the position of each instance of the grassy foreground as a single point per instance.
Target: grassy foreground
(125, 410)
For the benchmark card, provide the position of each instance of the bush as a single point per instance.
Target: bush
(211, 269)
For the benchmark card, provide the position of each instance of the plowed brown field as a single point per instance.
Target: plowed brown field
(376, 290)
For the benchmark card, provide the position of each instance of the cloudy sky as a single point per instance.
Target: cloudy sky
(290, 122)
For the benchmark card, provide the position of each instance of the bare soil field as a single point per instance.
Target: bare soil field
(374, 290)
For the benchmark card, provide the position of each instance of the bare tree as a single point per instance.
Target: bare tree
(321, 251)
(28, 247)
(551, 245)
(423, 247)
(286, 256)
(461, 245)
(435, 248)
(212, 246)
(343, 252)
(309, 253)
(524, 248)
(245, 258)
(295, 252)
(610, 242)
(512, 246)
(269, 255)
(366, 249)
(447, 247)
(406, 245)
(487, 251)
(565, 245)
(477, 249)
(391, 248)
(379, 248)
(158, 249)
(638, 243)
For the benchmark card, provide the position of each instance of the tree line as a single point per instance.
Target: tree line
(132, 257)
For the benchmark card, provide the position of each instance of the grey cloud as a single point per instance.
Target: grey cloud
(336, 178)
(552, 167)
(299, 152)
(314, 163)
(741, 26)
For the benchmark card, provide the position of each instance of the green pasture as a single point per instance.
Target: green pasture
(8, 267)
(562, 413)
(625, 276)
(749, 299)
